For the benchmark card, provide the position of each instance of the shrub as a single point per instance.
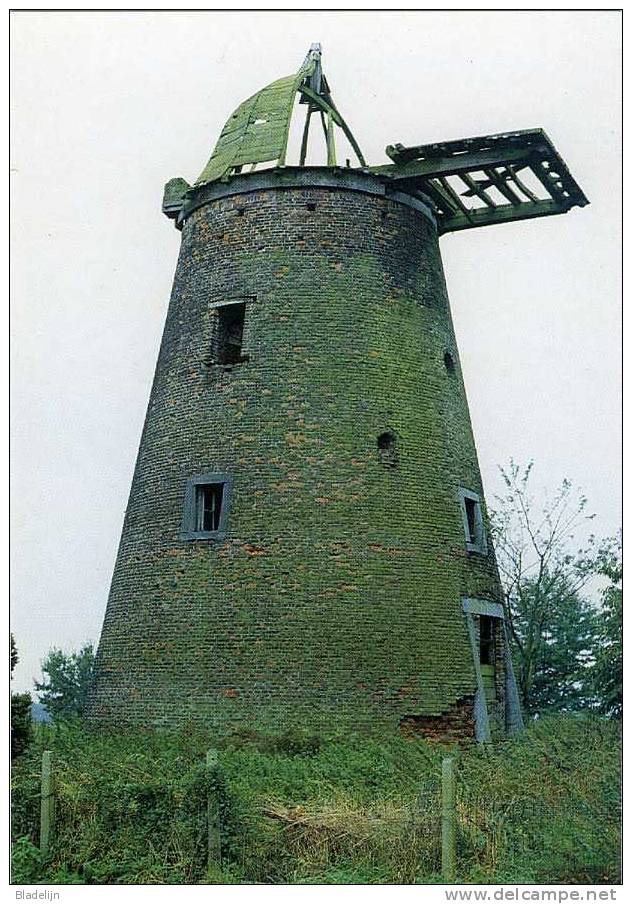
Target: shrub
(26, 862)
(21, 723)
(542, 807)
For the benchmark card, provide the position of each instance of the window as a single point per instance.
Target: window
(228, 333)
(470, 518)
(206, 504)
(486, 640)
(448, 361)
(486, 657)
(475, 540)
(386, 449)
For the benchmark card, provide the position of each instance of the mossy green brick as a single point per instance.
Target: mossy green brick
(335, 597)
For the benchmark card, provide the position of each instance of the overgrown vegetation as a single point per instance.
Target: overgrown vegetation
(566, 644)
(21, 726)
(297, 808)
(608, 667)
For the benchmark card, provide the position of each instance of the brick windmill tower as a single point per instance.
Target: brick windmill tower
(305, 542)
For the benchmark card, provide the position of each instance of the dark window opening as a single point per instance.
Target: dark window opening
(311, 205)
(473, 527)
(230, 333)
(471, 507)
(387, 449)
(486, 630)
(448, 360)
(208, 506)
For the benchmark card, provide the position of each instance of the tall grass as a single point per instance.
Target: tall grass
(131, 807)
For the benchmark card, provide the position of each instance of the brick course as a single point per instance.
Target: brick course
(335, 597)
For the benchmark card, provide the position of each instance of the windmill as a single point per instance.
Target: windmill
(306, 540)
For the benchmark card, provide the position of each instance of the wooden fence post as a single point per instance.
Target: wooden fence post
(47, 803)
(448, 821)
(214, 840)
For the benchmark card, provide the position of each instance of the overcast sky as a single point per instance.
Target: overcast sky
(108, 106)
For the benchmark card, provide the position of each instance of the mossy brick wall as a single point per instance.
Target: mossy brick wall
(335, 598)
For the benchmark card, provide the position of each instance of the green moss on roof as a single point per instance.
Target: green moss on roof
(258, 129)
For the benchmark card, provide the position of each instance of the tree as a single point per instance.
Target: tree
(13, 654)
(67, 680)
(21, 722)
(562, 679)
(553, 627)
(608, 668)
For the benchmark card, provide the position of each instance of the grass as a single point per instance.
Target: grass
(296, 808)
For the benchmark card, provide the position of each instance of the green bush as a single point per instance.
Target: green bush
(297, 808)
(21, 723)
(27, 865)
(293, 742)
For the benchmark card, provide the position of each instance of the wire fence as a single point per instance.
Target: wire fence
(447, 830)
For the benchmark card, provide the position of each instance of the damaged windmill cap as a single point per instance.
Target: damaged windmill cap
(258, 130)
(469, 182)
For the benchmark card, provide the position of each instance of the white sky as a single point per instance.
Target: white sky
(108, 106)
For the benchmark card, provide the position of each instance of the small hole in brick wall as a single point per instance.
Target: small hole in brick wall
(384, 214)
(240, 211)
(311, 205)
(448, 360)
(300, 238)
(386, 447)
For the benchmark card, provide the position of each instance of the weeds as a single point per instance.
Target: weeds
(299, 808)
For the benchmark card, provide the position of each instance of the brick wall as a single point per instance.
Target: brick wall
(335, 598)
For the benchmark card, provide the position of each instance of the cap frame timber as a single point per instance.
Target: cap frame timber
(425, 170)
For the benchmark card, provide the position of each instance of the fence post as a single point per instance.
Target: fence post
(47, 803)
(214, 840)
(448, 821)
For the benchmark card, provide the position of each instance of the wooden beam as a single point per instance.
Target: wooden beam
(455, 195)
(501, 184)
(323, 123)
(331, 141)
(448, 821)
(47, 803)
(441, 197)
(305, 135)
(475, 189)
(320, 102)
(525, 138)
(523, 188)
(547, 181)
(453, 166)
(505, 214)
